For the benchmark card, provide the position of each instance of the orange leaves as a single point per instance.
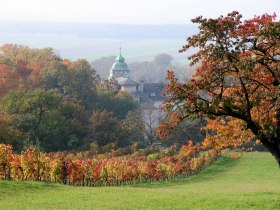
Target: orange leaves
(21, 67)
(5, 154)
(66, 62)
(226, 133)
(9, 79)
(236, 155)
(5, 160)
(100, 170)
(190, 149)
(237, 81)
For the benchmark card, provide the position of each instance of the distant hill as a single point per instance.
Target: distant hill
(92, 30)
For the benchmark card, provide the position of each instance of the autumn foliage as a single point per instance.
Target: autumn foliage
(99, 170)
(226, 133)
(237, 81)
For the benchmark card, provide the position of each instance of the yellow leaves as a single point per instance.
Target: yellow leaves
(5, 153)
(226, 133)
(190, 149)
(236, 155)
(74, 169)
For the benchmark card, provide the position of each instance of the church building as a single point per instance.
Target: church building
(120, 73)
(144, 93)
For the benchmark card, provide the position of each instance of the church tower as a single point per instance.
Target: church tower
(120, 73)
(119, 68)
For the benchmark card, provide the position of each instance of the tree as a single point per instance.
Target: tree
(45, 119)
(103, 65)
(8, 131)
(82, 83)
(73, 79)
(23, 67)
(185, 130)
(152, 70)
(163, 60)
(150, 121)
(226, 132)
(130, 129)
(238, 76)
(103, 128)
(118, 102)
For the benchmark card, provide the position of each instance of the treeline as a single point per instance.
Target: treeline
(56, 104)
(149, 71)
(103, 170)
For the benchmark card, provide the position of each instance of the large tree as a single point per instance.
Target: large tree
(44, 119)
(237, 75)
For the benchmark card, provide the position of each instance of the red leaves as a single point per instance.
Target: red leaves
(254, 26)
(98, 170)
(190, 149)
(237, 77)
(9, 79)
(21, 67)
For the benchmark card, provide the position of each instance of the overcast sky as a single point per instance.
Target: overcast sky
(130, 11)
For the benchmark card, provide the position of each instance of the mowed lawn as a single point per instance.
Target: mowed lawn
(250, 182)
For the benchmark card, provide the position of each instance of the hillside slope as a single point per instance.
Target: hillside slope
(251, 182)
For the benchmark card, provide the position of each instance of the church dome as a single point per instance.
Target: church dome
(120, 59)
(119, 68)
(119, 64)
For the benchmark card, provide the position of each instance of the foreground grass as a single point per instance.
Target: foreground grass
(251, 182)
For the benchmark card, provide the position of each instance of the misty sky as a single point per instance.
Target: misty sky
(130, 11)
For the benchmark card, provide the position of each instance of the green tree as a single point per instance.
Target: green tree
(73, 79)
(83, 83)
(187, 129)
(131, 129)
(9, 133)
(103, 128)
(120, 103)
(45, 119)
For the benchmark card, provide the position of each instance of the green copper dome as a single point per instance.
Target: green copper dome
(119, 68)
(120, 59)
(119, 64)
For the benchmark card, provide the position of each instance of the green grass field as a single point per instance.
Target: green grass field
(250, 182)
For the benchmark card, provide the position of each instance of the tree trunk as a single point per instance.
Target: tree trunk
(273, 146)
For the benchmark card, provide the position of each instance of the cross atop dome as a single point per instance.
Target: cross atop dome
(120, 58)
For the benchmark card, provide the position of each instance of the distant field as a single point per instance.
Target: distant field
(74, 47)
(92, 41)
(251, 182)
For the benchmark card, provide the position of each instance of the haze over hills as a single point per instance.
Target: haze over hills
(110, 31)
(92, 41)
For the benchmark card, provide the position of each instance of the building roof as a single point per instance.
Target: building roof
(154, 91)
(120, 58)
(119, 64)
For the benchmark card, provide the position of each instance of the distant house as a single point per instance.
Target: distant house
(120, 72)
(146, 94)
